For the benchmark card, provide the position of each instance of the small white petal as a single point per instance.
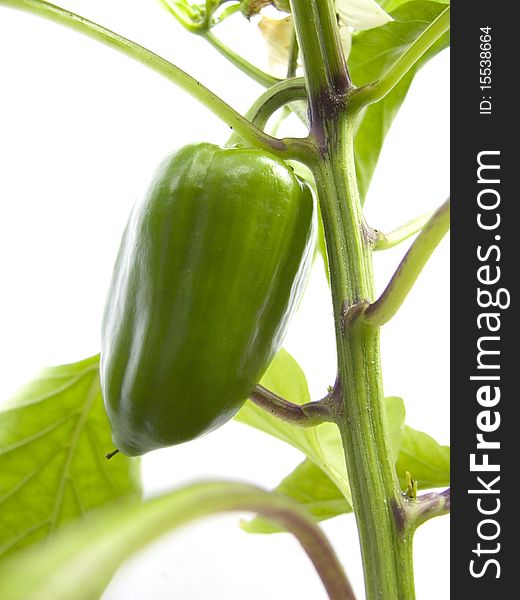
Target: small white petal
(278, 36)
(362, 14)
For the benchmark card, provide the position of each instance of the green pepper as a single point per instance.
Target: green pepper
(210, 268)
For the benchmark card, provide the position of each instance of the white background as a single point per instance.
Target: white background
(82, 129)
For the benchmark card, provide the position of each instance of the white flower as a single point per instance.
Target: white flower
(357, 15)
(353, 15)
(361, 14)
(277, 34)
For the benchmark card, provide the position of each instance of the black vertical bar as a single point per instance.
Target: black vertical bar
(485, 270)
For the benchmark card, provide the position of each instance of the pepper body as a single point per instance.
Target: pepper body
(211, 266)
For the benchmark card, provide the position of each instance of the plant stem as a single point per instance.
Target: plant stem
(386, 541)
(292, 65)
(304, 415)
(270, 101)
(376, 91)
(203, 28)
(428, 506)
(326, 72)
(184, 15)
(288, 148)
(245, 66)
(380, 312)
(385, 241)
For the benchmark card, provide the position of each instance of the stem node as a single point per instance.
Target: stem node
(304, 415)
(350, 313)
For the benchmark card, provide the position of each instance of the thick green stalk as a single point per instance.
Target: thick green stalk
(386, 542)
(385, 538)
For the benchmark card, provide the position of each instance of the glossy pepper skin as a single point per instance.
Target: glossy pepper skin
(210, 268)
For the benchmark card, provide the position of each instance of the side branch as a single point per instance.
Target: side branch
(428, 506)
(389, 240)
(381, 311)
(240, 63)
(249, 133)
(195, 24)
(378, 90)
(274, 98)
(269, 102)
(304, 415)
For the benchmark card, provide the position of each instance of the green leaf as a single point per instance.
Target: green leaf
(79, 563)
(373, 52)
(284, 377)
(311, 488)
(427, 461)
(319, 444)
(312, 485)
(391, 5)
(54, 435)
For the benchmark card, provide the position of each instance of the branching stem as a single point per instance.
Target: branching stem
(386, 518)
(377, 500)
(244, 65)
(381, 311)
(203, 28)
(397, 236)
(428, 506)
(378, 90)
(270, 101)
(288, 148)
(304, 415)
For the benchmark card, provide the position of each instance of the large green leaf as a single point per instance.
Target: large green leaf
(79, 563)
(311, 485)
(284, 377)
(54, 435)
(373, 52)
(427, 461)
(319, 444)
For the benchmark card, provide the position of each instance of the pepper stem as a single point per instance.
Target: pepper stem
(380, 312)
(304, 415)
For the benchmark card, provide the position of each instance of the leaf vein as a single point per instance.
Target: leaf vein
(90, 398)
(39, 434)
(5, 549)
